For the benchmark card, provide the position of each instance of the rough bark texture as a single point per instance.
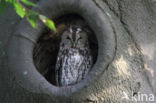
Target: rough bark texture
(132, 70)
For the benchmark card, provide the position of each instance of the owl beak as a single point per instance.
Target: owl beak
(74, 45)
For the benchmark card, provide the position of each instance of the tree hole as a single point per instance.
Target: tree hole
(47, 47)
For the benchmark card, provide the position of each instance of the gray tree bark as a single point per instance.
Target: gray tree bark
(131, 72)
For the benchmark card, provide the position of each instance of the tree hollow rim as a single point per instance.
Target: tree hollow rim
(103, 32)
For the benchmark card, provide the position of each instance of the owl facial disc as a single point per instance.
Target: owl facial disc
(75, 35)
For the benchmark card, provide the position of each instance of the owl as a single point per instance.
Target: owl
(74, 59)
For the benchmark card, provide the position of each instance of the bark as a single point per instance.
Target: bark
(126, 64)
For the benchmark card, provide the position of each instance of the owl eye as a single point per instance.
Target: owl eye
(68, 38)
(80, 38)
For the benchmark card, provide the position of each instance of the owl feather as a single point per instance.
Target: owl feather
(74, 59)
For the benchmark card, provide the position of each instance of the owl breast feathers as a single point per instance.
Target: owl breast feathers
(74, 59)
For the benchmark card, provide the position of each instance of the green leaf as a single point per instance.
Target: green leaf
(19, 9)
(2, 6)
(28, 3)
(32, 22)
(10, 1)
(49, 23)
(32, 18)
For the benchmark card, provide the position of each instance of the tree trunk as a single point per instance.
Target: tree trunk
(129, 54)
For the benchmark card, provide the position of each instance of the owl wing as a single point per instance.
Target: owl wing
(58, 67)
(88, 62)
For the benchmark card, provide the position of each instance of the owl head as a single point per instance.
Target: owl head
(74, 37)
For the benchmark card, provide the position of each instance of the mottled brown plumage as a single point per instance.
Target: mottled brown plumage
(74, 59)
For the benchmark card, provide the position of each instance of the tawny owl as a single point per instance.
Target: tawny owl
(74, 59)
